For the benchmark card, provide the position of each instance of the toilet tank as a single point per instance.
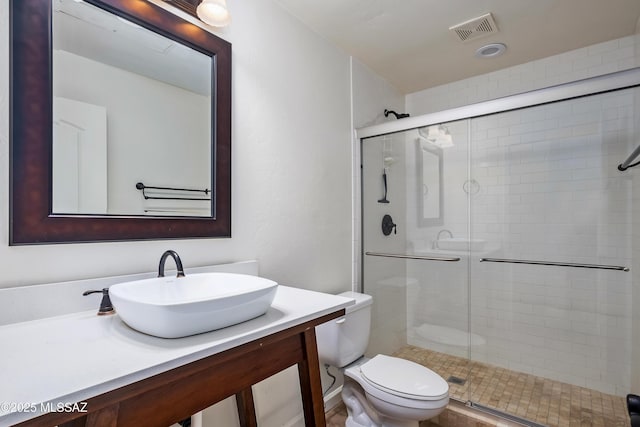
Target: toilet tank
(342, 341)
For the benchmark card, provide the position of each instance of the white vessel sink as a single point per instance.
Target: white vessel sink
(460, 244)
(170, 307)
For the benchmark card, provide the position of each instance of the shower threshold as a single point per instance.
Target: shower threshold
(504, 415)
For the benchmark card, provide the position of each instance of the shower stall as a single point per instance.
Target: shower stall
(504, 260)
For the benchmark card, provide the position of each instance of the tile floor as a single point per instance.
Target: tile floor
(530, 397)
(337, 416)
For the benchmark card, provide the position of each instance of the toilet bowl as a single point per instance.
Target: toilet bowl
(383, 391)
(400, 391)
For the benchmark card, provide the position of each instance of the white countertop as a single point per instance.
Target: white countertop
(75, 357)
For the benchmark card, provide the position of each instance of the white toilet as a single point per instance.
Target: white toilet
(383, 391)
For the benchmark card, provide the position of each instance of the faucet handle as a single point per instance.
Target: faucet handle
(105, 305)
(388, 225)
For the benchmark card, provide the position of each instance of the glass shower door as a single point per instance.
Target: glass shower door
(497, 250)
(548, 295)
(415, 229)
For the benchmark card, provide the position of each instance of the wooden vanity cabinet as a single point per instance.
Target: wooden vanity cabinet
(166, 398)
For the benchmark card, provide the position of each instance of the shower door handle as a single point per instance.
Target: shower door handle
(557, 264)
(418, 257)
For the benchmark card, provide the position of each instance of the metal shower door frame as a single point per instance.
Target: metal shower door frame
(591, 86)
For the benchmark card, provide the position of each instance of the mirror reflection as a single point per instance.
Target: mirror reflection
(429, 144)
(129, 106)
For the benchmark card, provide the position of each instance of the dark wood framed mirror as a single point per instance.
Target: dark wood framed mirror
(32, 218)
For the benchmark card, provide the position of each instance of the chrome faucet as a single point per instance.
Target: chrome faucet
(176, 258)
(435, 242)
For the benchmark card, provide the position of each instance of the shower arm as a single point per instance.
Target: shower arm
(398, 115)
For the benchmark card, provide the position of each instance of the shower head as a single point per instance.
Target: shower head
(398, 115)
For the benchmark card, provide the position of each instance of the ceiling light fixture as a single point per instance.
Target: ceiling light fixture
(491, 50)
(214, 13)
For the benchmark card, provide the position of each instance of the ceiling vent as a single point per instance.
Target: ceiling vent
(475, 28)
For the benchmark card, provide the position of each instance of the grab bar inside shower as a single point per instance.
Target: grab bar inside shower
(419, 257)
(559, 264)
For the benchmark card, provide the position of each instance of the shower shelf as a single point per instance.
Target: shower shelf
(559, 264)
(419, 257)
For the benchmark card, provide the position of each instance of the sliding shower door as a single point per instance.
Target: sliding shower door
(549, 291)
(384, 184)
(415, 222)
(497, 249)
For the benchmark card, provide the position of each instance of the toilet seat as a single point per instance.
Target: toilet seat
(386, 395)
(403, 378)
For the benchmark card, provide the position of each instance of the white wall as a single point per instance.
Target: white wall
(372, 94)
(292, 204)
